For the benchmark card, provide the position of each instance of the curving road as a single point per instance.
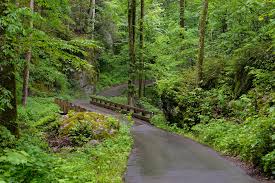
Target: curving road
(118, 90)
(162, 157)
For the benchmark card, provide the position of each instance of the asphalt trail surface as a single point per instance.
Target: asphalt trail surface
(120, 89)
(162, 157)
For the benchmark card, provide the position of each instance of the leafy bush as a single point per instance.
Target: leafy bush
(268, 163)
(20, 166)
(146, 104)
(5, 97)
(252, 141)
(192, 107)
(159, 121)
(36, 109)
(120, 100)
(6, 138)
(28, 159)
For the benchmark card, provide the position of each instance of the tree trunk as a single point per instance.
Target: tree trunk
(132, 54)
(93, 36)
(7, 79)
(141, 67)
(182, 11)
(91, 18)
(91, 31)
(26, 74)
(202, 29)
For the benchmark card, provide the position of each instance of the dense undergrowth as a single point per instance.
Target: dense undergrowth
(99, 155)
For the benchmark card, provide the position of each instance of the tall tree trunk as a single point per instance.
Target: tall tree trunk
(182, 11)
(132, 54)
(93, 18)
(202, 29)
(26, 74)
(7, 79)
(93, 36)
(91, 31)
(141, 67)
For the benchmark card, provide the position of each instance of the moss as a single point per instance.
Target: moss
(47, 120)
(82, 127)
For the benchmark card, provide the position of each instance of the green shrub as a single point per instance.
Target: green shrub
(29, 160)
(252, 141)
(36, 109)
(159, 121)
(6, 138)
(255, 138)
(120, 100)
(268, 163)
(188, 108)
(146, 104)
(5, 97)
(20, 166)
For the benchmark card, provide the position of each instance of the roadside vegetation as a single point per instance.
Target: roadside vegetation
(79, 147)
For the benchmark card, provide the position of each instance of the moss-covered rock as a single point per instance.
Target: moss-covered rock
(81, 127)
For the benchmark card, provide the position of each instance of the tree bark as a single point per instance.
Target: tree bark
(26, 74)
(91, 18)
(141, 39)
(7, 79)
(93, 36)
(182, 11)
(132, 54)
(91, 32)
(202, 29)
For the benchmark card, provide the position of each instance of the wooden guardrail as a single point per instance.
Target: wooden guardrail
(136, 112)
(66, 106)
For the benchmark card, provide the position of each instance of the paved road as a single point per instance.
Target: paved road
(120, 89)
(162, 157)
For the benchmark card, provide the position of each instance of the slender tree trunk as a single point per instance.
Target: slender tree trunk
(91, 31)
(182, 11)
(26, 74)
(132, 54)
(7, 79)
(202, 30)
(141, 67)
(93, 18)
(93, 36)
